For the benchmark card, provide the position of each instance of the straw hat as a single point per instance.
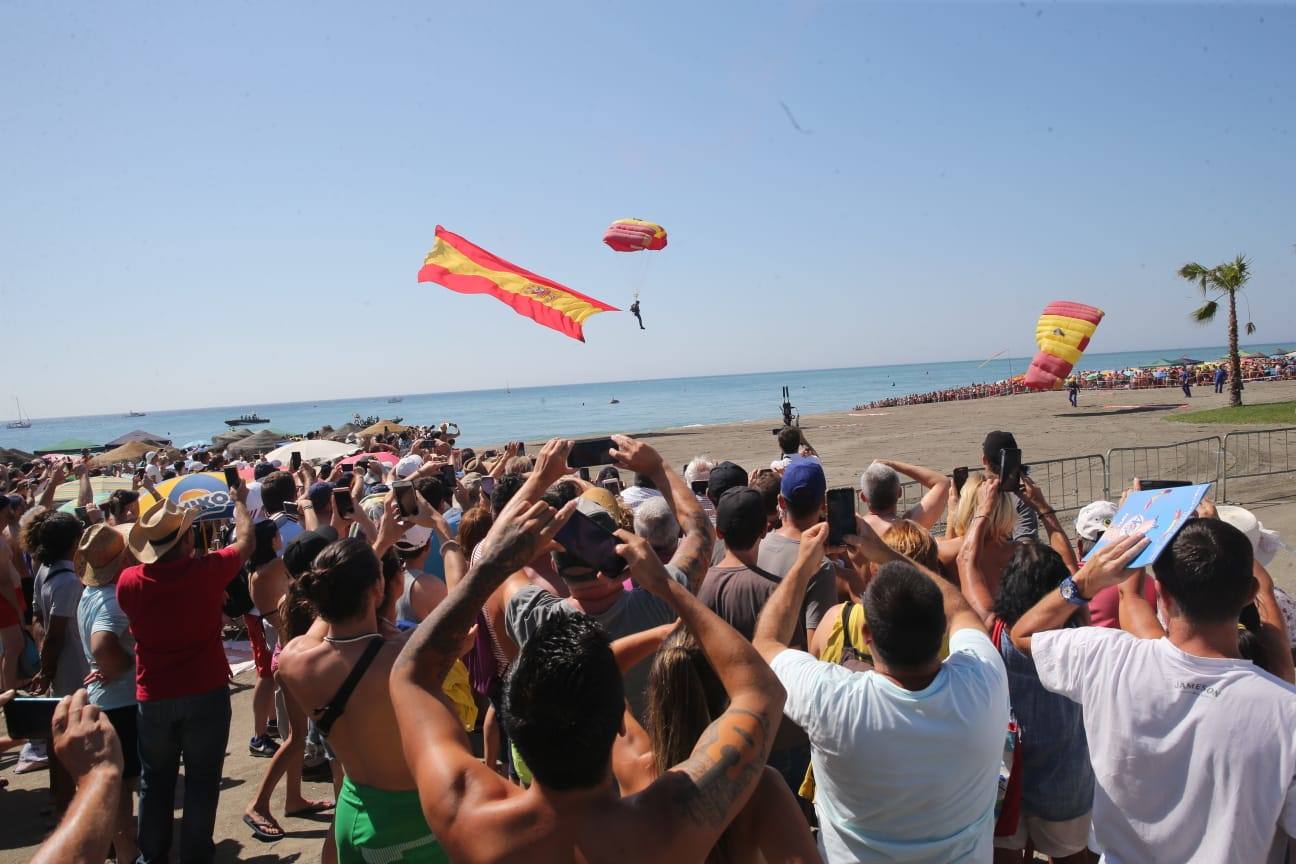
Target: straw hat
(103, 549)
(1266, 543)
(158, 529)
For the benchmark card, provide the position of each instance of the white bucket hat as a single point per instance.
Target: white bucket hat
(1266, 543)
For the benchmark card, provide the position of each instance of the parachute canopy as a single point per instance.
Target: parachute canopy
(1063, 333)
(635, 235)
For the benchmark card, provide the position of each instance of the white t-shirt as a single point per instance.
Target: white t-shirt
(781, 463)
(903, 776)
(1194, 757)
(633, 496)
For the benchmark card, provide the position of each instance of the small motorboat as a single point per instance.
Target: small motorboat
(247, 420)
(135, 414)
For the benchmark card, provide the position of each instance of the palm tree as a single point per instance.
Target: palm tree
(1223, 280)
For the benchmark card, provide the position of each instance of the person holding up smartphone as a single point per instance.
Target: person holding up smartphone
(622, 612)
(992, 460)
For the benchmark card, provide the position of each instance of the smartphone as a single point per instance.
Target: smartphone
(488, 485)
(589, 452)
(83, 515)
(1163, 484)
(960, 477)
(1010, 470)
(30, 716)
(585, 539)
(231, 477)
(139, 472)
(342, 502)
(295, 460)
(699, 487)
(456, 456)
(841, 515)
(521, 448)
(449, 477)
(405, 502)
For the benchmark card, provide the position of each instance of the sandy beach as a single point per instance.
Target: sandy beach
(940, 436)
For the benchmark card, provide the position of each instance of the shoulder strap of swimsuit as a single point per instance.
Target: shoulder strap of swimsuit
(329, 714)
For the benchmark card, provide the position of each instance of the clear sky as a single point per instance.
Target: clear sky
(224, 203)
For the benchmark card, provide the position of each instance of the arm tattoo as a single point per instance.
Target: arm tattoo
(724, 766)
(694, 554)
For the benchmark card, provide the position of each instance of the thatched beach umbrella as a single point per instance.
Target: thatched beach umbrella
(383, 427)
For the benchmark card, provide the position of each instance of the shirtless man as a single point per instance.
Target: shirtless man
(880, 490)
(563, 710)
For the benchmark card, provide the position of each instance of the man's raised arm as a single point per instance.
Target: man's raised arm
(697, 799)
(434, 740)
(929, 509)
(693, 555)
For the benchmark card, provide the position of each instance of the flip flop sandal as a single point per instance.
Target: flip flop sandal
(266, 833)
(311, 809)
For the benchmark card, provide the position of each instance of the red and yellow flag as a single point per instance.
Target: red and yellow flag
(469, 269)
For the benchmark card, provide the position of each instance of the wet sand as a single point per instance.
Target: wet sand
(939, 436)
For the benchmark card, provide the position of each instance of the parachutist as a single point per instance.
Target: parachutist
(634, 310)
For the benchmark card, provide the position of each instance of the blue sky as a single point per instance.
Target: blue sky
(228, 202)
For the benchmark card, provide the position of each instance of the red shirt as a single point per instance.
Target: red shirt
(175, 617)
(1104, 608)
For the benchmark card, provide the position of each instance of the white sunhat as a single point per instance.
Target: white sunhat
(408, 465)
(1266, 543)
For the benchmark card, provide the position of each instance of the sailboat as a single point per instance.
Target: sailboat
(23, 421)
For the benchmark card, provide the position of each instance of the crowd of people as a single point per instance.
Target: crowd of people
(1214, 375)
(493, 656)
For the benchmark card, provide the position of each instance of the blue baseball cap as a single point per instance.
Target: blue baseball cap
(803, 483)
(320, 493)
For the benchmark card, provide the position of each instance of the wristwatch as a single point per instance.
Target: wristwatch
(1071, 592)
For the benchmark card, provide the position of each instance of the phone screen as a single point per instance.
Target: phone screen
(342, 501)
(699, 487)
(449, 477)
(488, 485)
(295, 460)
(30, 716)
(82, 515)
(841, 515)
(231, 477)
(405, 502)
(590, 542)
(1163, 484)
(1010, 470)
(589, 452)
(960, 477)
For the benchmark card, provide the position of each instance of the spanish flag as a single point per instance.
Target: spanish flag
(468, 269)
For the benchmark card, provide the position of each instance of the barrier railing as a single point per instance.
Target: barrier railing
(1196, 461)
(1256, 454)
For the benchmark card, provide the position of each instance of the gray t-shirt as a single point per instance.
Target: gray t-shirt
(634, 612)
(778, 555)
(56, 594)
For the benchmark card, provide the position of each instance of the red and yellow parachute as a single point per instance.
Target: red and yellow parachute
(635, 235)
(1063, 333)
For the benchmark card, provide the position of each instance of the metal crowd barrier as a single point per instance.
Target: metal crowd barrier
(1260, 453)
(1197, 461)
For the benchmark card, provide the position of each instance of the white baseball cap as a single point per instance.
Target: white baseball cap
(1094, 519)
(408, 465)
(415, 538)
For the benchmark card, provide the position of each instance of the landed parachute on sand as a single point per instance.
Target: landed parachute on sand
(1063, 333)
(635, 235)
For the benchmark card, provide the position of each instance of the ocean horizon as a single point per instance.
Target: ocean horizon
(537, 412)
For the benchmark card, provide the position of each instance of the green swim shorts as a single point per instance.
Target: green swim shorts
(374, 826)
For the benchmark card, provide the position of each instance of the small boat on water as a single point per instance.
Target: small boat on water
(23, 421)
(614, 402)
(135, 414)
(247, 420)
(393, 400)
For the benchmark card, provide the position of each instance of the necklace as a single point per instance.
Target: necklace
(343, 640)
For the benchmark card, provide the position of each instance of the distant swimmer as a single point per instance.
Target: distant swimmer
(634, 310)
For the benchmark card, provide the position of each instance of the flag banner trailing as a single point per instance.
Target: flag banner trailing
(461, 266)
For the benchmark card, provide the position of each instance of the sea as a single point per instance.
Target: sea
(575, 410)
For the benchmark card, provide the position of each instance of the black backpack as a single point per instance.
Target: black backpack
(238, 598)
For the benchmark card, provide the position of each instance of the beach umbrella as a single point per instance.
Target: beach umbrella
(131, 451)
(258, 442)
(1185, 360)
(69, 446)
(222, 438)
(311, 451)
(9, 454)
(98, 486)
(139, 435)
(383, 427)
(206, 492)
(200, 444)
(383, 456)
